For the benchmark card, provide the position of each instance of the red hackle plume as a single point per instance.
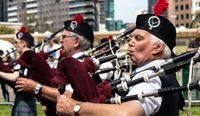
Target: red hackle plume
(160, 7)
(89, 65)
(78, 18)
(110, 37)
(22, 29)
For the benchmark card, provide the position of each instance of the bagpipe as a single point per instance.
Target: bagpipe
(76, 72)
(179, 58)
(164, 70)
(47, 38)
(105, 70)
(107, 89)
(4, 67)
(9, 53)
(37, 45)
(167, 66)
(156, 93)
(111, 51)
(118, 39)
(39, 70)
(46, 55)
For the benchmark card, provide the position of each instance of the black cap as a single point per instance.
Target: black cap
(80, 27)
(158, 26)
(26, 37)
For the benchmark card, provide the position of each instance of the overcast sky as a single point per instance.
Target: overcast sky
(126, 9)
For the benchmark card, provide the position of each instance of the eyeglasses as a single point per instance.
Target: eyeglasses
(64, 36)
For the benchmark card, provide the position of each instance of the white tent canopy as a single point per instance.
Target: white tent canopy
(6, 46)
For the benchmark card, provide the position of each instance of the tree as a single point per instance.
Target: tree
(6, 30)
(31, 23)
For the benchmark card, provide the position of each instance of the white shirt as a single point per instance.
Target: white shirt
(107, 75)
(150, 104)
(48, 48)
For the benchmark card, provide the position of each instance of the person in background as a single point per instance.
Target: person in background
(4, 88)
(53, 59)
(194, 44)
(25, 103)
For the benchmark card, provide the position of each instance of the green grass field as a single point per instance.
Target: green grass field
(5, 110)
(195, 111)
(180, 49)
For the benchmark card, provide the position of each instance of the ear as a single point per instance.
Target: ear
(76, 42)
(24, 43)
(158, 48)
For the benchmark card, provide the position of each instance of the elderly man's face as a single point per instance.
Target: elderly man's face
(68, 42)
(140, 47)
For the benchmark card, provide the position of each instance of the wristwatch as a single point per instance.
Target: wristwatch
(37, 89)
(77, 108)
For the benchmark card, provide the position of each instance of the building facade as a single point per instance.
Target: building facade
(86, 7)
(183, 13)
(52, 14)
(101, 11)
(151, 4)
(43, 15)
(3, 10)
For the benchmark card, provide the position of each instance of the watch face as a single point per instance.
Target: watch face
(36, 91)
(77, 108)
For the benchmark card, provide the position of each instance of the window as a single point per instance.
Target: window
(181, 7)
(176, 8)
(187, 25)
(177, 17)
(187, 16)
(182, 16)
(187, 6)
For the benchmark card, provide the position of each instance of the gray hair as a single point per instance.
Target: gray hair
(84, 43)
(167, 51)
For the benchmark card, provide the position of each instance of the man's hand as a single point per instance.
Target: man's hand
(25, 85)
(65, 105)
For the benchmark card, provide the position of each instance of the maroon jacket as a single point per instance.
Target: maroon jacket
(40, 70)
(84, 88)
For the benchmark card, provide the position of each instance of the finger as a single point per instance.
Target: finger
(19, 90)
(59, 111)
(59, 100)
(19, 86)
(19, 82)
(20, 79)
(58, 97)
